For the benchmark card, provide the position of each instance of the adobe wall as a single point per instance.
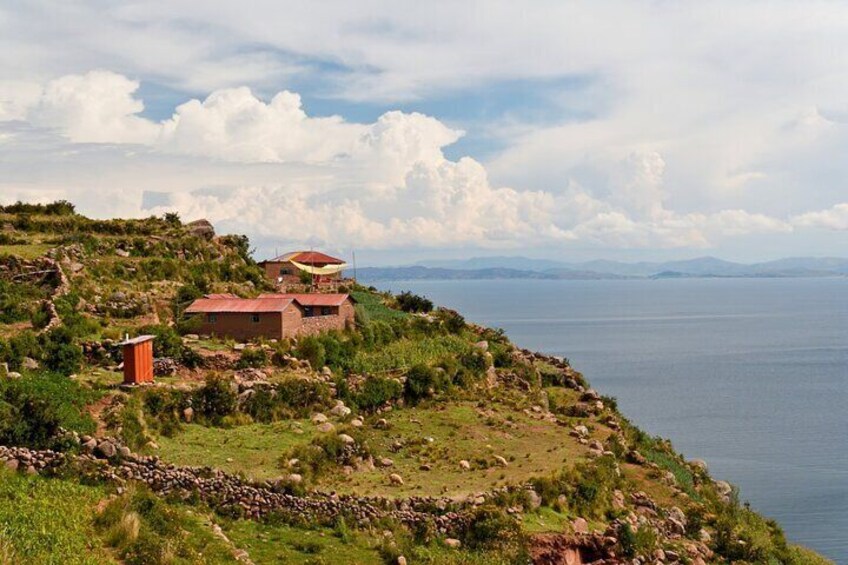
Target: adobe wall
(292, 321)
(238, 325)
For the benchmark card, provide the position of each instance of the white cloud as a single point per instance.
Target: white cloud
(270, 169)
(835, 218)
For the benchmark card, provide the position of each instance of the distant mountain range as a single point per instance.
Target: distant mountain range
(526, 268)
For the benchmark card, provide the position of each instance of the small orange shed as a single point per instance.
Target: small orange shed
(138, 360)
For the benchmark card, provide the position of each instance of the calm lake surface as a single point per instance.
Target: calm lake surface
(750, 375)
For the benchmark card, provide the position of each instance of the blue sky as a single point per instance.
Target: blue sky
(627, 130)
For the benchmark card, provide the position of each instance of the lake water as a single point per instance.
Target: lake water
(750, 375)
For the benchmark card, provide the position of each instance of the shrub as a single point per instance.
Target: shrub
(311, 349)
(451, 320)
(60, 353)
(23, 344)
(324, 453)
(587, 487)
(215, 400)
(491, 527)
(252, 357)
(34, 407)
(293, 397)
(423, 381)
(377, 391)
(409, 302)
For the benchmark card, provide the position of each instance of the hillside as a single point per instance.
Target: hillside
(414, 438)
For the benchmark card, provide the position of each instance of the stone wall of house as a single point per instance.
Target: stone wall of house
(238, 325)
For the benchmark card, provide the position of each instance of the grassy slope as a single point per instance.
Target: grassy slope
(48, 521)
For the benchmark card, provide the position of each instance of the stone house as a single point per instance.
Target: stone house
(272, 316)
(288, 268)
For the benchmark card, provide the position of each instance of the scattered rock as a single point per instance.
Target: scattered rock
(29, 364)
(501, 461)
(386, 462)
(340, 410)
(580, 526)
(122, 252)
(346, 439)
(318, 418)
(188, 414)
(396, 479)
(482, 345)
(106, 449)
(465, 465)
(356, 423)
(239, 347)
(381, 424)
(453, 543)
(401, 560)
(326, 427)
(295, 478)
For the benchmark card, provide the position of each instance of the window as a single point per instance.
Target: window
(254, 318)
(307, 311)
(326, 310)
(211, 318)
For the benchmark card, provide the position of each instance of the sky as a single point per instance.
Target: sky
(414, 130)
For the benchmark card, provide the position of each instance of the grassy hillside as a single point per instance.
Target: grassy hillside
(414, 407)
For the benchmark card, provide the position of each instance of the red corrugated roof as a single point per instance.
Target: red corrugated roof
(220, 295)
(308, 258)
(247, 305)
(316, 299)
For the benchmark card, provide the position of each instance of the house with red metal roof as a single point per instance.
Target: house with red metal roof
(271, 316)
(297, 266)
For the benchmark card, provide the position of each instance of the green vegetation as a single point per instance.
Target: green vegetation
(34, 407)
(423, 398)
(144, 530)
(48, 521)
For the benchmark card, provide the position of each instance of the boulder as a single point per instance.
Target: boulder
(340, 410)
(124, 451)
(295, 478)
(318, 418)
(386, 462)
(188, 414)
(106, 449)
(381, 424)
(401, 560)
(122, 252)
(482, 345)
(326, 427)
(453, 543)
(580, 526)
(346, 439)
(356, 423)
(12, 464)
(201, 228)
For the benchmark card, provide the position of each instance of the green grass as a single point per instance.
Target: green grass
(252, 449)
(374, 307)
(460, 431)
(47, 521)
(404, 353)
(277, 544)
(26, 251)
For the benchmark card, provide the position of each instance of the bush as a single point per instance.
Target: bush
(451, 320)
(311, 349)
(60, 353)
(376, 392)
(409, 302)
(252, 357)
(24, 344)
(491, 527)
(423, 381)
(587, 487)
(33, 408)
(215, 400)
(293, 397)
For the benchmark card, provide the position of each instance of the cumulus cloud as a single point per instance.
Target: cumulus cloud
(276, 172)
(835, 218)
